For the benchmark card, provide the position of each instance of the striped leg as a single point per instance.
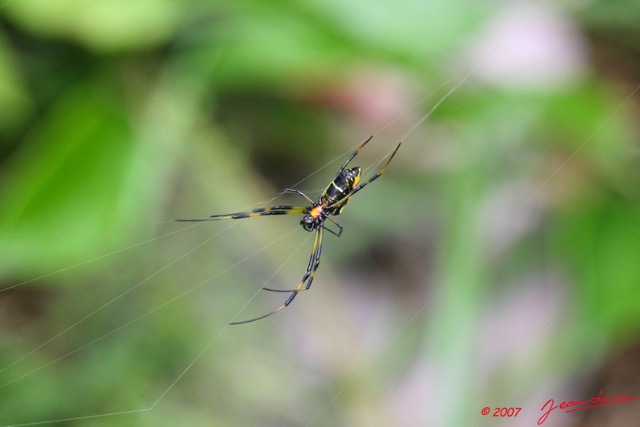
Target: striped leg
(274, 210)
(305, 283)
(354, 154)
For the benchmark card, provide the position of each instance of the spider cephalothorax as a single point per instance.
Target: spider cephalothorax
(316, 216)
(332, 201)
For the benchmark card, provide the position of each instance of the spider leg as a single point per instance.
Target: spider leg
(298, 192)
(314, 262)
(354, 154)
(305, 283)
(340, 227)
(370, 180)
(274, 210)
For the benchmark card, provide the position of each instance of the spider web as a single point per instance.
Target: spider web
(453, 84)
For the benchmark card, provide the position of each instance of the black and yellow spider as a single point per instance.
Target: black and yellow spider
(332, 201)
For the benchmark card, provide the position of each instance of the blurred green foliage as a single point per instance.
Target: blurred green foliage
(117, 117)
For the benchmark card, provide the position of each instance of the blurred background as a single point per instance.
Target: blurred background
(495, 264)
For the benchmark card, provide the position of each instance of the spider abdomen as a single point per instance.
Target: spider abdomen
(339, 189)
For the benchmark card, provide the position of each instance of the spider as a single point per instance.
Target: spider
(331, 202)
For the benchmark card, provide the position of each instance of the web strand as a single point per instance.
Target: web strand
(414, 316)
(224, 328)
(411, 319)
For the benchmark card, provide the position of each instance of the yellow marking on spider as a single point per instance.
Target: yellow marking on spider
(315, 212)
